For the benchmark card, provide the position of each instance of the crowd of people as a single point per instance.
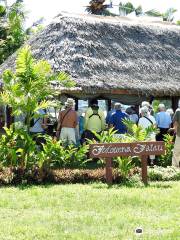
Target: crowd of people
(76, 127)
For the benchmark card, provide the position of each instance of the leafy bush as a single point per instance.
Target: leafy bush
(76, 175)
(55, 155)
(166, 160)
(164, 174)
(105, 136)
(17, 149)
(6, 176)
(125, 165)
(137, 133)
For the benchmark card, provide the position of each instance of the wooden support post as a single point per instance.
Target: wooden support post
(175, 101)
(144, 169)
(76, 104)
(9, 118)
(109, 104)
(109, 177)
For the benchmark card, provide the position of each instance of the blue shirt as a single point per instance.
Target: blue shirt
(116, 120)
(163, 120)
(109, 115)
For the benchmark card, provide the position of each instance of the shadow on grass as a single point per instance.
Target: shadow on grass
(30, 186)
(127, 184)
(95, 185)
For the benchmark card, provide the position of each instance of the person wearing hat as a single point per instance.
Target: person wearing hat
(116, 119)
(67, 122)
(163, 121)
(94, 121)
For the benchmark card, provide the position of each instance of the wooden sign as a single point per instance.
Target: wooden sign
(106, 150)
(110, 150)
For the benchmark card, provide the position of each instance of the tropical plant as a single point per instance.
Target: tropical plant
(98, 7)
(12, 34)
(55, 155)
(137, 133)
(166, 160)
(14, 146)
(167, 16)
(125, 165)
(105, 136)
(127, 8)
(25, 91)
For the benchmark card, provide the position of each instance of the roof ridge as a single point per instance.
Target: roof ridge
(144, 21)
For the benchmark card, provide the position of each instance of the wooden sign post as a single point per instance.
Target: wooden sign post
(110, 150)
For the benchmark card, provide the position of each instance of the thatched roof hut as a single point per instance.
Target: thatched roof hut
(111, 56)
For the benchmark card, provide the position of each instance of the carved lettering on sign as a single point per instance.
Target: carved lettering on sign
(139, 148)
(126, 149)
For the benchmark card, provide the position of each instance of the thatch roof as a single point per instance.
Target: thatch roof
(103, 54)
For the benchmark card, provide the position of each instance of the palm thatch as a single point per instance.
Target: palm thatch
(107, 54)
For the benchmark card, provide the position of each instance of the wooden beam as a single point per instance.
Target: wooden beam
(120, 91)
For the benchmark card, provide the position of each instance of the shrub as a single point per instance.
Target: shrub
(166, 160)
(55, 155)
(125, 165)
(17, 149)
(164, 174)
(6, 176)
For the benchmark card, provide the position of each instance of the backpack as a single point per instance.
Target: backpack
(33, 122)
(95, 112)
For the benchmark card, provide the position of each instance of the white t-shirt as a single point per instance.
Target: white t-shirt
(145, 123)
(37, 128)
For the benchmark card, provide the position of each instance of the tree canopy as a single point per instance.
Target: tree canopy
(12, 33)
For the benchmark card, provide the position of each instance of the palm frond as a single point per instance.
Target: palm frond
(153, 13)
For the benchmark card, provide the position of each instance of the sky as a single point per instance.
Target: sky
(50, 8)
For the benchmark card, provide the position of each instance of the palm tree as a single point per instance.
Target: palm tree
(167, 16)
(98, 7)
(127, 8)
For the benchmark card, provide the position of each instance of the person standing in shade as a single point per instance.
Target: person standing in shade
(116, 119)
(176, 151)
(94, 121)
(146, 120)
(171, 113)
(39, 124)
(110, 113)
(148, 105)
(132, 114)
(67, 123)
(163, 122)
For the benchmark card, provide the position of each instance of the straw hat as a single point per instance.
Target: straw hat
(70, 102)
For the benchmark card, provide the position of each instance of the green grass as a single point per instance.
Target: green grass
(93, 211)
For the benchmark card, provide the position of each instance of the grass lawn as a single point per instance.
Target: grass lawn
(93, 211)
